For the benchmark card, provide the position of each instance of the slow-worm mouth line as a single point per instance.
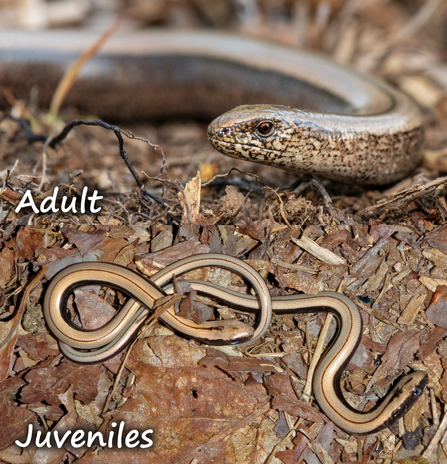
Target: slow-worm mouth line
(251, 148)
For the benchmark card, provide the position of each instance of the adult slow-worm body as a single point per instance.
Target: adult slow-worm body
(337, 123)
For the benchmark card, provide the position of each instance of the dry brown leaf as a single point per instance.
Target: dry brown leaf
(430, 340)
(6, 266)
(193, 410)
(46, 381)
(297, 408)
(9, 330)
(15, 419)
(153, 262)
(436, 313)
(401, 349)
(94, 312)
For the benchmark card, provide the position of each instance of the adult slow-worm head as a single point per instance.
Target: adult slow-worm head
(357, 148)
(318, 117)
(340, 124)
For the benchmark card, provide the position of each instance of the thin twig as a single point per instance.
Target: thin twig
(437, 437)
(408, 195)
(281, 442)
(224, 176)
(72, 72)
(118, 133)
(30, 135)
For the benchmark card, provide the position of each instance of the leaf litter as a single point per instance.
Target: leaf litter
(203, 402)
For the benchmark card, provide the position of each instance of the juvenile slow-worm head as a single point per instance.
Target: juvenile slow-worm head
(115, 335)
(346, 126)
(327, 376)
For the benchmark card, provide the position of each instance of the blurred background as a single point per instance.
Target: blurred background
(394, 38)
(403, 41)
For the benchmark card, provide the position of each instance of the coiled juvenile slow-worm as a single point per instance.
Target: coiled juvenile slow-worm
(326, 381)
(336, 122)
(113, 336)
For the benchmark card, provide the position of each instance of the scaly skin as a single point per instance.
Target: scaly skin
(332, 146)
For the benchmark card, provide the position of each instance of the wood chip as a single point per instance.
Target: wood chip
(432, 284)
(412, 309)
(323, 254)
(190, 199)
(436, 256)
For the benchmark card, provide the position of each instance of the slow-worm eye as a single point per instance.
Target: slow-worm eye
(417, 391)
(264, 128)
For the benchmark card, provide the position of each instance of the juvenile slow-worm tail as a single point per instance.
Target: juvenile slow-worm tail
(316, 117)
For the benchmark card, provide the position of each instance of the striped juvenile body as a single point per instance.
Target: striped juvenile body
(112, 337)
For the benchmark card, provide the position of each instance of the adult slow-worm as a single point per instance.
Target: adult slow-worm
(107, 340)
(345, 126)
